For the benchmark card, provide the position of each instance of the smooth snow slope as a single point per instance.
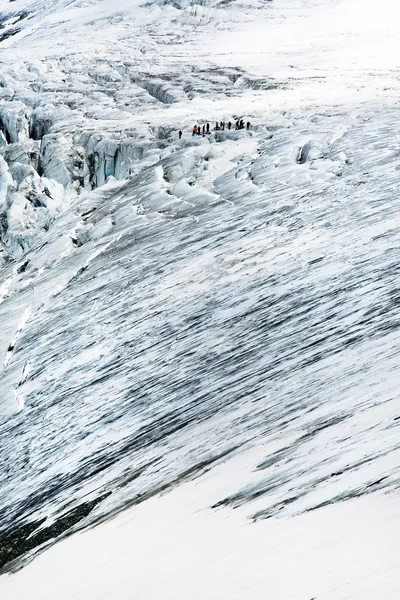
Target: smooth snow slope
(172, 546)
(169, 306)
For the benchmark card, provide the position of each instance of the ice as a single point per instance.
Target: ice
(14, 117)
(212, 316)
(5, 180)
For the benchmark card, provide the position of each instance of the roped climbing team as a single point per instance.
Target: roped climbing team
(205, 129)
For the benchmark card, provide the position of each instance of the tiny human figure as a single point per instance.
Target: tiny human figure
(248, 125)
(208, 127)
(199, 130)
(180, 134)
(229, 124)
(241, 124)
(216, 126)
(204, 129)
(222, 125)
(237, 124)
(194, 130)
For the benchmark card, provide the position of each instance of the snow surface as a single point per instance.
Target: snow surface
(169, 307)
(172, 546)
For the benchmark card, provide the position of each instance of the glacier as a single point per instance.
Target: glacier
(199, 336)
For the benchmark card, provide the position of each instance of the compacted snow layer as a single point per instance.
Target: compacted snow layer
(168, 304)
(173, 546)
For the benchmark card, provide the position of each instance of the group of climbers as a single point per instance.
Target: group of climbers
(239, 124)
(199, 130)
(205, 129)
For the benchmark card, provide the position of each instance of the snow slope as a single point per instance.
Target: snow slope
(172, 546)
(170, 307)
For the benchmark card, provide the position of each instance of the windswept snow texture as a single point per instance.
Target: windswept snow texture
(166, 304)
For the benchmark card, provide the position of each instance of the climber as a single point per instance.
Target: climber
(229, 125)
(194, 130)
(248, 125)
(208, 127)
(204, 129)
(180, 134)
(216, 126)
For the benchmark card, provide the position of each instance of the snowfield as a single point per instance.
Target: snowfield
(199, 341)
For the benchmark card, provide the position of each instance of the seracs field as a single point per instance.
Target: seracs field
(199, 337)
